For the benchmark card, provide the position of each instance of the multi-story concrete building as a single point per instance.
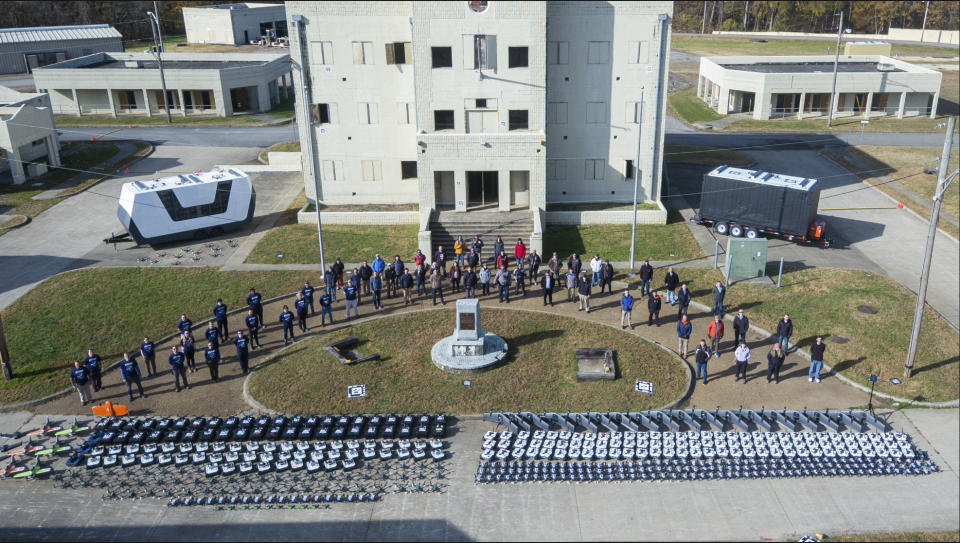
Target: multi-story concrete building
(480, 105)
(28, 136)
(234, 24)
(773, 87)
(23, 49)
(218, 84)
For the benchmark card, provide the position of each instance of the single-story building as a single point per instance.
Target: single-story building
(28, 136)
(220, 84)
(23, 49)
(774, 87)
(234, 24)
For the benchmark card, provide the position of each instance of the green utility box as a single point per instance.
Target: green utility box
(746, 258)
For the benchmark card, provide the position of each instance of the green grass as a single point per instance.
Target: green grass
(657, 242)
(723, 46)
(352, 243)
(539, 372)
(156, 119)
(282, 147)
(110, 310)
(702, 154)
(844, 124)
(934, 537)
(824, 301)
(284, 110)
(690, 108)
(603, 206)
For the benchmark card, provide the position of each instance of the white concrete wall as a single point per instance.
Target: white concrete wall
(364, 217)
(646, 216)
(226, 26)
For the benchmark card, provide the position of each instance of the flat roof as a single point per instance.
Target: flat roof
(58, 33)
(237, 5)
(813, 67)
(169, 64)
(764, 178)
(172, 182)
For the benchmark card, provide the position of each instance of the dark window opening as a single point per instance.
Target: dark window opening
(442, 57)
(320, 113)
(408, 169)
(179, 213)
(517, 57)
(629, 170)
(481, 102)
(443, 119)
(518, 119)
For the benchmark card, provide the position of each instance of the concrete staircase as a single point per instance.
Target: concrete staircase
(447, 225)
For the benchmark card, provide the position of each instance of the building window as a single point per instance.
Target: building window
(518, 119)
(557, 113)
(628, 170)
(596, 112)
(517, 57)
(558, 52)
(408, 169)
(281, 27)
(593, 169)
(482, 50)
(37, 143)
(442, 57)
(369, 113)
(398, 53)
(320, 114)
(363, 52)
(321, 52)
(371, 170)
(404, 113)
(638, 52)
(598, 52)
(443, 119)
(556, 169)
(481, 103)
(632, 114)
(332, 170)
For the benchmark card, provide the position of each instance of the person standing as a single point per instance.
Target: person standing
(440, 259)
(473, 259)
(220, 315)
(242, 343)
(571, 282)
(379, 265)
(421, 277)
(595, 265)
(477, 247)
(376, 287)
(626, 309)
(741, 356)
(774, 361)
(184, 324)
(684, 329)
(606, 277)
(254, 302)
(212, 357)
(683, 300)
(554, 266)
(520, 253)
(326, 309)
(80, 379)
(574, 263)
(398, 268)
(470, 283)
(458, 250)
(307, 292)
(740, 326)
(419, 259)
(330, 283)
(719, 291)
(502, 280)
(130, 375)
(784, 331)
(533, 265)
(356, 282)
(715, 333)
(389, 281)
(646, 274)
(94, 366)
(149, 354)
(546, 283)
(211, 333)
(177, 367)
(584, 293)
(498, 248)
(702, 356)
(338, 269)
(286, 320)
(366, 272)
(519, 277)
(436, 283)
(502, 260)
(189, 350)
(670, 282)
(300, 306)
(816, 359)
(484, 277)
(653, 306)
(454, 278)
(406, 285)
(350, 300)
(252, 328)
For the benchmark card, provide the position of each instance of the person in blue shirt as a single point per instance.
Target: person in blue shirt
(220, 315)
(130, 374)
(356, 281)
(212, 356)
(184, 324)
(626, 309)
(242, 342)
(189, 350)
(350, 299)
(307, 292)
(149, 353)
(286, 319)
(326, 309)
(212, 333)
(376, 287)
(252, 328)
(254, 300)
(81, 382)
(300, 305)
(176, 360)
(94, 365)
(378, 264)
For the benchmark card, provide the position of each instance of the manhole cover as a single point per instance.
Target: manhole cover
(839, 339)
(867, 309)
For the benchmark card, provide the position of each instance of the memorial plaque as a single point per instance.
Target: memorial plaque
(467, 322)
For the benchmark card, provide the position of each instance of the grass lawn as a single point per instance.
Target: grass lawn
(658, 242)
(844, 124)
(539, 373)
(283, 110)
(935, 537)
(702, 154)
(352, 243)
(602, 206)
(717, 46)
(111, 309)
(690, 108)
(824, 301)
(282, 147)
(156, 119)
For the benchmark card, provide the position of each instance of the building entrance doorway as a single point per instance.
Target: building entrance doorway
(746, 106)
(482, 190)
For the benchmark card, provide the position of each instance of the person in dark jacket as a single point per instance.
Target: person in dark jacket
(477, 247)
(774, 361)
(454, 277)
(301, 307)
(251, 321)
(740, 326)
(148, 351)
(420, 275)
(574, 263)
(784, 331)
(307, 292)
(606, 277)
(470, 283)
(670, 282)
(533, 266)
(177, 367)
(398, 267)
(330, 283)
(338, 269)
(816, 359)
(366, 272)
(242, 343)
(94, 366)
(547, 284)
(80, 379)
(255, 302)
(498, 248)
(440, 259)
(473, 259)
(436, 284)
(646, 274)
(212, 357)
(184, 324)
(719, 291)
(702, 356)
(583, 291)
(519, 278)
(220, 315)
(502, 280)
(626, 309)
(390, 281)
(653, 306)
(683, 299)
(684, 329)
(357, 283)
(212, 333)
(406, 285)
(189, 350)
(286, 320)
(326, 309)
(351, 299)
(376, 287)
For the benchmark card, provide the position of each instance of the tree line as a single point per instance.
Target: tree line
(817, 16)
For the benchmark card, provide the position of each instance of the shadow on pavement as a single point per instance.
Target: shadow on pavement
(24, 270)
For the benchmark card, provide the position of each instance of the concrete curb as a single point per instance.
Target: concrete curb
(252, 402)
(25, 220)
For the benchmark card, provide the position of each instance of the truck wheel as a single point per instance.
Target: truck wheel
(721, 228)
(736, 230)
(751, 234)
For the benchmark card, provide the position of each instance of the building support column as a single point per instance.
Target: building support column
(503, 190)
(16, 166)
(835, 102)
(53, 150)
(933, 106)
(903, 104)
(183, 108)
(700, 86)
(113, 105)
(868, 106)
(76, 103)
(723, 102)
(459, 191)
(803, 100)
(146, 102)
(263, 98)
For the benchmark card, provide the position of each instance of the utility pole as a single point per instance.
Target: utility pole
(923, 28)
(155, 29)
(703, 25)
(836, 62)
(942, 183)
(636, 183)
(159, 31)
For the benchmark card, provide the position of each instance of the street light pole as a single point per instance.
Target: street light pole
(636, 184)
(942, 183)
(836, 62)
(155, 29)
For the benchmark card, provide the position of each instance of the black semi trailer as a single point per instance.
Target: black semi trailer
(750, 203)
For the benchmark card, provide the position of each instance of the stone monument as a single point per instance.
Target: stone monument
(470, 349)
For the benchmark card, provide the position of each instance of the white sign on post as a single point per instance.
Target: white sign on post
(645, 387)
(356, 391)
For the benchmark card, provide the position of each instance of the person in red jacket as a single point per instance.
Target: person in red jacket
(520, 253)
(715, 332)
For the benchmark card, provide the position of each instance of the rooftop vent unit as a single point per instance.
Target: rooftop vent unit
(886, 67)
(132, 64)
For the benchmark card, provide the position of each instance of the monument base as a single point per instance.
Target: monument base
(446, 354)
